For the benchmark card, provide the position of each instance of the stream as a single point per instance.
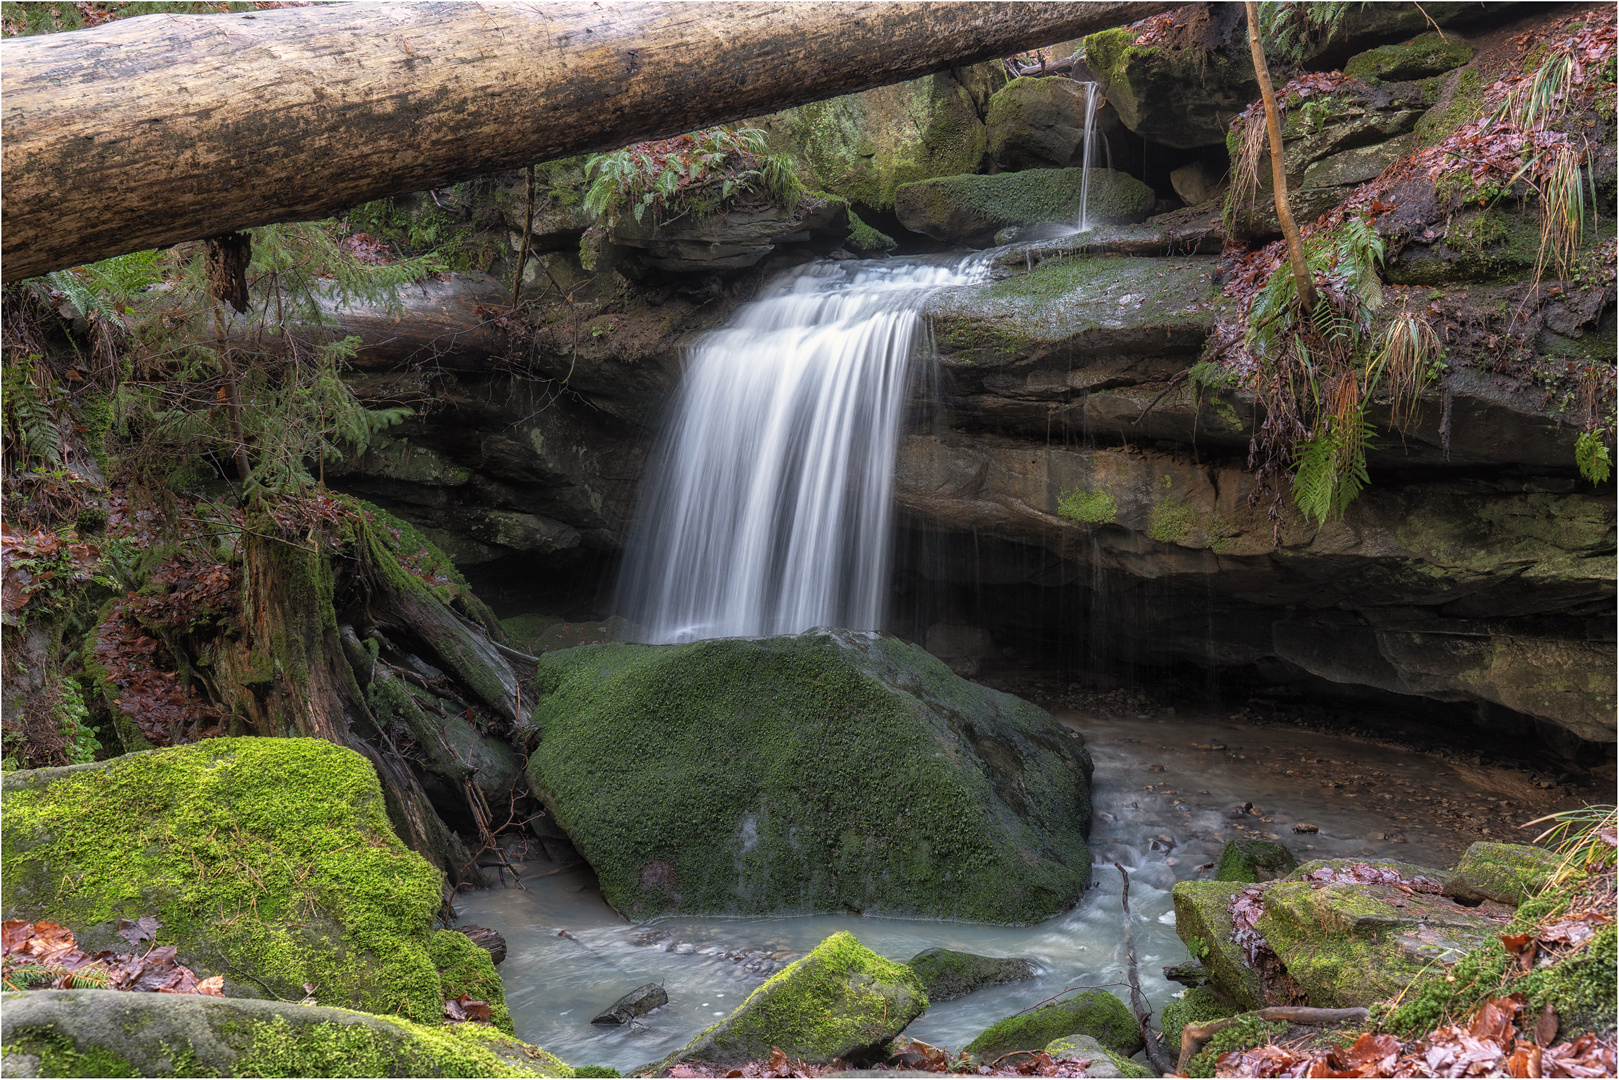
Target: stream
(1167, 796)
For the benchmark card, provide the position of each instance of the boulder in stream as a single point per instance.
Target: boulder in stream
(1504, 873)
(1096, 1013)
(1103, 1062)
(970, 207)
(119, 1033)
(948, 974)
(1254, 860)
(1203, 922)
(829, 771)
(841, 1001)
(271, 862)
(638, 1002)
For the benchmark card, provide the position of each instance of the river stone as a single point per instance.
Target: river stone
(1037, 123)
(638, 1002)
(1254, 860)
(1504, 873)
(268, 861)
(1103, 1062)
(840, 1001)
(1096, 1013)
(948, 974)
(975, 207)
(491, 941)
(830, 771)
(1348, 945)
(1422, 57)
(1203, 922)
(118, 1033)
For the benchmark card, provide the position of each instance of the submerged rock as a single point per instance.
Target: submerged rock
(833, 770)
(119, 1033)
(1103, 1062)
(1254, 860)
(840, 1001)
(268, 861)
(948, 974)
(638, 1002)
(1096, 1013)
(975, 207)
(1504, 873)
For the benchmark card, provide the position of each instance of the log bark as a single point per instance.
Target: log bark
(155, 130)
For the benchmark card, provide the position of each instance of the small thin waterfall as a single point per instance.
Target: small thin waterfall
(766, 506)
(1092, 94)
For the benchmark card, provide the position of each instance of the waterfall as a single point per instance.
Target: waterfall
(1092, 94)
(767, 503)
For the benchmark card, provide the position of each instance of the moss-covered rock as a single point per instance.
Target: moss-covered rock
(116, 1033)
(948, 974)
(1254, 860)
(1181, 97)
(1475, 246)
(268, 861)
(1103, 1062)
(1504, 873)
(841, 1001)
(1096, 1013)
(1036, 123)
(1198, 1005)
(863, 146)
(1422, 57)
(833, 770)
(1351, 945)
(1203, 922)
(974, 207)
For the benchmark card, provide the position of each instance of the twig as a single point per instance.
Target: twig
(1176, 381)
(528, 231)
(1138, 1001)
(1194, 1036)
(1431, 23)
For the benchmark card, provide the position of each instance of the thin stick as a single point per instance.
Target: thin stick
(1304, 282)
(1138, 1001)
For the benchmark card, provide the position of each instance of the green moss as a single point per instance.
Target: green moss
(524, 630)
(864, 238)
(1243, 1033)
(1084, 1047)
(1106, 53)
(60, 1056)
(948, 974)
(1461, 101)
(811, 773)
(1254, 860)
(1087, 507)
(466, 968)
(1096, 1013)
(1199, 1005)
(840, 1001)
(1201, 914)
(270, 858)
(1421, 57)
(277, 1048)
(1505, 873)
(969, 204)
(1172, 521)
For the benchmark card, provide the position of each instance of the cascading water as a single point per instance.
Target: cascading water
(767, 505)
(1093, 98)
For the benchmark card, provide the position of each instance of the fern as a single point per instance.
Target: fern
(1330, 470)
(33, 433)
(696, 173)
(1592, 458)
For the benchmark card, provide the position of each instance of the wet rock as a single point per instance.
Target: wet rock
(1203, 922)
(1190, 973)
(1198, 183)
(1103, 1062)
(486, 939)
(962, 648)
(1182, 97)
(968, 208)
(1239, 810)
(90, 1032)
(840, 1001)
(1093, 1012)
(1504, 873)
(1422, 57)
(1306, 827)
(1254, 860)
(944, 798)
(948, 974)
(638, 1002)
(1037, 123)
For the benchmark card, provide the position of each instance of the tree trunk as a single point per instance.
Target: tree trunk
(1302, 279)
(156, 130)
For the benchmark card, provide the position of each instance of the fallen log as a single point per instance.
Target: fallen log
(151, 131)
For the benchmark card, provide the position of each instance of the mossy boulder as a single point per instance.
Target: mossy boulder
(1103, 1062)
(1036, 123)
(1203, 922)
(268, 861)
(840, 1002)
(1096, 1013)
(1198, 1005)
(863, 146)
(1181, 97)
(117, 1033)
(830, 771)
(1348, 945)
(1254, 860)
(1475, 246)
(948, 974)
(1504, 873)
(1422, 57)
(976, 207)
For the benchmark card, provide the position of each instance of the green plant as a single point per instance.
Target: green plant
(1592, 458)
(1087, 507)
(695, 173)
(79, 737)
(1197, 948)
(1291, 29)
(1585, 837)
